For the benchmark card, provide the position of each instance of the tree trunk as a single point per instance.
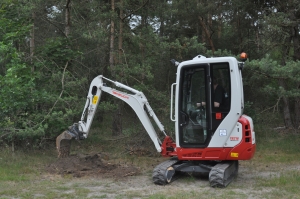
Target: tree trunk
(257, 40)
(31, 42)
(220, 27)
(121, 32)
(286, 107)
(207, 34)
(67, 18)
(112, 40)
(297, 112)
(296, 48)
(32, 49)
(117, 116)
(162, 21)
(296, 43)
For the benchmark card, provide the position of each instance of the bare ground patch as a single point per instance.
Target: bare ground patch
(104, 178)
(93, 165)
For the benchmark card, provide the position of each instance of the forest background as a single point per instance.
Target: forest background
(50, 50)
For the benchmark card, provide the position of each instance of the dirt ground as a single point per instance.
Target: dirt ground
(105, 179)
(92, 165)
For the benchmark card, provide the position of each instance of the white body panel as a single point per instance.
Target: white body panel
(235, 136)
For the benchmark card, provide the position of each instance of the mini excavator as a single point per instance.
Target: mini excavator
(210, 139)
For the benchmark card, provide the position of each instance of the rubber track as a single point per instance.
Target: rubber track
(159, 172)
(223, 174)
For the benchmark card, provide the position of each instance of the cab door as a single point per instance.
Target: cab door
(194, 117)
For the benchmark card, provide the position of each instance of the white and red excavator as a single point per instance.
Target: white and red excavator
(209, 140)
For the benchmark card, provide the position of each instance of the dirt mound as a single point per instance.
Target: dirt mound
(96, 165)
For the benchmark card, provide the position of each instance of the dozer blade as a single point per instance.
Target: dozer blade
(223, 173)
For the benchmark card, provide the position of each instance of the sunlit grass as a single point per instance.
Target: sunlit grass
(18, 171)
(290, 180)
(277, 146)
(283, 185)
(19, 166)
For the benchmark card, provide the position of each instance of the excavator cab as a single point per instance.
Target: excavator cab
(209, 105)
(200, 86)
(212, 133)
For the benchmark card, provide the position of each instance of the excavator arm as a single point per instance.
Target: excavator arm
(137, 101)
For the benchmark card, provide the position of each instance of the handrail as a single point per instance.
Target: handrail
(171, 111)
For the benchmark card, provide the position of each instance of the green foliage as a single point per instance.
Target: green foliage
(35, 97)
(17, 81)
(250, 110)
(187, 48)
(18, 77)
(272, 71)
(43, 89)
(58, 51)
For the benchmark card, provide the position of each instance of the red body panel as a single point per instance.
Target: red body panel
(242, 151)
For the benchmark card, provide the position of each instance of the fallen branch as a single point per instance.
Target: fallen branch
(280, 127)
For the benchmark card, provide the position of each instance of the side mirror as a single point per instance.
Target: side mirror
(176, 63)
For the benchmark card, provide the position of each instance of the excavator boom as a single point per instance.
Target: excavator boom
(136, 100)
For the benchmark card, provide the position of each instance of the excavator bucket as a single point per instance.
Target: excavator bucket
(63, 141)
(63, 144)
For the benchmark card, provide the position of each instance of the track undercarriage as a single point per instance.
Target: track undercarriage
(220, 173)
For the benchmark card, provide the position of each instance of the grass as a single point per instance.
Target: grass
(19, 166)
(288, 179)
(278, 147)
(287, 182)
(22, 176)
